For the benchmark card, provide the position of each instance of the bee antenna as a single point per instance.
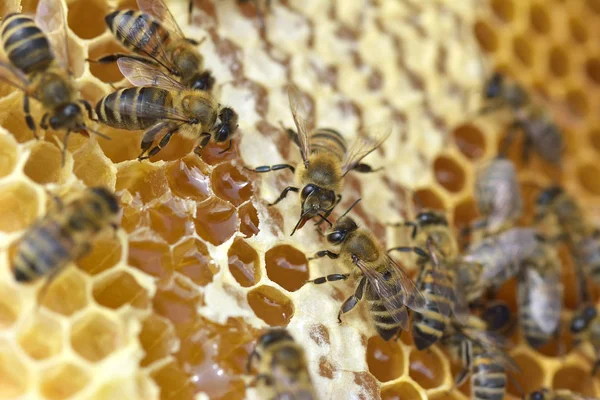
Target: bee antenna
(297, 225)
(324, 218)
(95, 132)
(351, 207)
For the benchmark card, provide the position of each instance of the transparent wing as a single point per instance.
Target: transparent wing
(544, 295)
(151, 111)
(51, 18)
(159, 10)
(494, 345)
(14, 77)
(369, 139)
(300, 108)
(139, 73)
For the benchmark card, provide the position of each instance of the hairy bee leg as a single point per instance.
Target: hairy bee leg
(325, 253)
(88, 108)
(413, 225)
(228, 147)
(148, 139)
(284, 194)
(329, 278)
(365, 168)
(112, 58)
(353, 300)
(163, 142)
(28, 118)
(204, 139)
(407, 249)
(270, 168)
(44, 121)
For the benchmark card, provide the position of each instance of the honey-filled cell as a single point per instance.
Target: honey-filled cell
(157, 338)
(216, 220)
(67, 293)
(191, 259)
(248, 220)
(189, 178)
(575, 379)
(270, 305)
(120, 289)
(170, 221)
(426, 368)
(243, 263)
(104, 254)
(530, 379)
(230, 184)
(401, 391)
(173, 382)
(470, 140)
(153, 258)
(385, 359)
(287, 266)
(94, 336)
(177, 301)
(215, 153)
(143, 179)
(427, 198)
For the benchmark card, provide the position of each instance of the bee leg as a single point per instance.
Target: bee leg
(64, 149)
(407, 249)
(269, 168)
(163, 142)
(251, 358)
(88, 108)
(44, 121)
(58, 203)
(228, 147)
(204, 139)
(329, 278)
(148, 139)
(284, 193)
(28, 118)
(365, 168)
(325, 253)
(112, 58)
(353, 300)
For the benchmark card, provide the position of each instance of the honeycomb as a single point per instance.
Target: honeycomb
(169, 308)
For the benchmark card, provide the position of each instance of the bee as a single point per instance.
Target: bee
(560, 394)
(326, 159)
(540, 132)
(389, 290)
(167, 109)
(539, 295)
(64, 235)
(281, 367)
(437, 249)
(40, 69)
(585, 327)
(158, 43)
(483, 358)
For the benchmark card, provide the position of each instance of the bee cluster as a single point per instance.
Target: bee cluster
(450, 303)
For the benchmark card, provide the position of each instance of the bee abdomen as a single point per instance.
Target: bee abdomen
(26, 46)
(428, 327)
(122, 109)
(328, 140)
(488, 379)
(383, 319)
(136, 29)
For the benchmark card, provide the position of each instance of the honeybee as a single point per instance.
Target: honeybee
(166, 110)
(437, 250)
(483, 358)
(326, 160)
(281, 367)
(541, 133)
(159, 43)
(560, 394)
(64, 235)
(40, 68)
(389, 290)
(585, 327)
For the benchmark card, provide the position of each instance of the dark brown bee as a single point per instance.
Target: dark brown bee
(281, 367)
(389, 290)
(159, 43)
(326, 160)
(64, 235)
(585, 327)
(560, 394)
(541, 133)
(40, 69)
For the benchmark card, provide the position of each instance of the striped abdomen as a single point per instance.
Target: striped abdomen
(134, 108)
(488, 379)
(137, 31)
(383, 320)
(26, 46)
(327, 140)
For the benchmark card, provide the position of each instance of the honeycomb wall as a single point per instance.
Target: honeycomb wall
(170, 306)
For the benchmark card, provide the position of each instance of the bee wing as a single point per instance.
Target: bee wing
(50, 16)
(373, 137)
(139, 73)
(14, 77)
(494, 345)
(304, 126)
(159, 10)
(152, 110)
(545, 302)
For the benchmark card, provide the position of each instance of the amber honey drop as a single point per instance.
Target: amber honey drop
(153, 258)
(230, 184)
(244, 263)
(216, 221)
(287, 266)
(177, 301)
(270, 305)
(470, 141)
(248, 220)
(449, 174)
(170, 221)
(385, 359)
(191, 259)
(189, 178)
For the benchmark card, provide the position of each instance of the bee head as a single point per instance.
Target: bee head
(203, 81)
(340, 230)
(583, 318)
(493, 87)
(431, 218)
(107, 198)
(314, 200)
(227, 126)
(273, 336)
(66, 117)
(549, 195)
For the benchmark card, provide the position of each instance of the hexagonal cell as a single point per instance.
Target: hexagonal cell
(14, 375)
(574, 379)
(157, 338)
(470, 141)
(589, 178)
(106, 253)
(558, 62)
(444, 395)
(540, 21)
(41, 336)
(20, 204)
(465, 212)
(178, 302)
(83, 18)
(486, 36)
(109, 73)
(385, 359)
(192, 260)
(62, 381)
(248, 220)
(449, 174)
(577, 102)
(151, 257)
(594, 138)
(8, 154)
(592, 69)
(270, 305)
(189, 178)
(144, 179)
(401, 391)
(287, 266)
(214, 153)
(427, 198)
(243, 263)
(170, 221)
(230, 184)
(578, 29)
(44, 164)
(94, 336)
(503, 9)
(523, 50)
(92, 167)
(67, 293)
(426, 369)
(123, 145)
(10, 306)
(118, 289)
(173, 382)
(593, 5)
(216, 220)
(532, 377)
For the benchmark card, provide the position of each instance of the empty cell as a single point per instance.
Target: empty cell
(178, 302)
(157, 338)
(270, 305)
(62, 381)
(426, 369)
(20, 204)
(470, 141)
(503, 9)
(44, 164)
(189, 178)
(531, 376)
(106, 253)
(108, 73)
(558, 62)
(94, 336)
(402, 391)
(486, 36)
(428, 198)
(449, 174)
(14, 375)
(592, 69)
(577, 102)
(41, 336)
(539, 18)
(173, 382)
(589, 178)
(119, 289)
(523, 50)
(230, 184)
(216, 220)
(248, 220)
(67, 293)
(192, 260)
(10, 306)
(578, 29)
(385, 359)
(287, 266)
(90, 165)
(147, 180)
(153, 258)
(243, 263)
(8, 154)
(170, 221)
(576, 379)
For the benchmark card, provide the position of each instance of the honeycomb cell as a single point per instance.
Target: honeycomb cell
(191, 259)
(429, 199)
(123, 145)
(189, 178)
(178, 301)
(558, 62)
(67, 293)
(41, 336)
(14, 375)
(173, 382)
(92, 167)
(531, 380)
(20, 203)
(270, 305)
(10, 306)
(214, 153)
(577, 102)
(575, 379)
(244, 263)
(8, 155)
(589, 178)
(106, 253)
(230, 184)
(151, 257)
(449, 174)
(109, 73)
(83, 18)
(592, 69)
(465, 212)
(44, 163)
(119, 289)
(94, 336)
(539, 18)
(248, 220)
(142, 178)
(385, 359)
(578, 30)
(287, 266)
(594, 138)
(426, 369)
(170, 221)
(401, 391)
(593, 5)
(62, 381)
(503, 9)
(216, 220)
(486, 36)
(523, 50)
(470, 141)
(157, 338)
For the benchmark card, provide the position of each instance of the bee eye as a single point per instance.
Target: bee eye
(335, 237)
(308, 189)
(577, 325)
(537, 396)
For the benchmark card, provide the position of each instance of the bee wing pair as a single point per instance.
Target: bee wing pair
(370, 139)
